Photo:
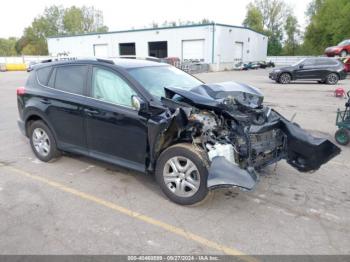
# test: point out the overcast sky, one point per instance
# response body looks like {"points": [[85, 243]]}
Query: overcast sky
{"points": [[119, 15]]}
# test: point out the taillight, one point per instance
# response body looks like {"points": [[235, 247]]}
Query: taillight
{"points": [[21, 91]]}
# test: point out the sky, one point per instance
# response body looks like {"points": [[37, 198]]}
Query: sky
{"points": [[120, 15]]}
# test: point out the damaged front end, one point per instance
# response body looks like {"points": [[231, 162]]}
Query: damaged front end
{"points": [[238, 134]]}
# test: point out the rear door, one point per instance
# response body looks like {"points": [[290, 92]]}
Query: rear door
{"points": [[115, 131], [64, 105]]}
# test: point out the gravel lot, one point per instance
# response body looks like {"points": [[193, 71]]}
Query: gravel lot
{"points": [[80, 206]]}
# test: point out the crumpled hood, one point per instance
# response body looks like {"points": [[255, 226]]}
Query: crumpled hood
{"points": [[217, 94]]}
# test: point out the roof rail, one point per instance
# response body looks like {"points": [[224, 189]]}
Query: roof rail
{"points": [[149, 58], [109, 61]]}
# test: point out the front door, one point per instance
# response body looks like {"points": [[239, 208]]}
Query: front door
{"points": [[115, 131], [307, 70]]}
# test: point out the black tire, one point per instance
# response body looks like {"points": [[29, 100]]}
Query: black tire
{"points": [[52, 153], [321, 81], [285, 78], [332, 79], [342, 136], [343, 53], [197, 157]]}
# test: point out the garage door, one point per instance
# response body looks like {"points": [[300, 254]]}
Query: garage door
{"points": [[238, 52], [101, 50], [193, 50]]}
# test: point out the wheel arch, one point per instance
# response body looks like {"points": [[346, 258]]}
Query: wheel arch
{"points": [[35, 115]]}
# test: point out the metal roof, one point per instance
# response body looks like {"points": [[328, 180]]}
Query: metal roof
{"points": [[156, 29]]}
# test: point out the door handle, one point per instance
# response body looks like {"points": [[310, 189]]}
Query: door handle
{"points": [[91, 111], [45, 101]]}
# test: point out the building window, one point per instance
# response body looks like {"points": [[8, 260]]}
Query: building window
{"points": [[127, 49], [158, 49]]}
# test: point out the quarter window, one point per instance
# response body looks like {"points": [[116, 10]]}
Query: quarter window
{"points": [[71, 78], [108, 86], [43, 75]]}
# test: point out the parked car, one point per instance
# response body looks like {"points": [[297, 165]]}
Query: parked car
{"points": [[346, 62], [323, 69], [342, 49], [155, 118], [31, 65]]}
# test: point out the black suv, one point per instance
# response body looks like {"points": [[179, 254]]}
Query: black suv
{"points": [[155, 118], [323, 69]]}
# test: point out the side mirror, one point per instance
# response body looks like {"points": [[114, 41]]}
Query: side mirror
{"points": [[301, 66], [138, 103]]}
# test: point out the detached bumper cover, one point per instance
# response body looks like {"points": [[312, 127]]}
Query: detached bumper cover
{"points": [[222, 173], [303, 151]]}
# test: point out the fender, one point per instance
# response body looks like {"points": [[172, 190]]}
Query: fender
{"points": [[34, 111]]}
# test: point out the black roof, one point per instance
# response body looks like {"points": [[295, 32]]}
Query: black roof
{"points": [[119, 62]]}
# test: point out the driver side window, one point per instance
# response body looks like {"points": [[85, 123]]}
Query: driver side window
{"points": [[309, 62], [109, 87]]}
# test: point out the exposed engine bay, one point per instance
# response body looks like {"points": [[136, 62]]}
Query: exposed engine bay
{"points": [[238, 134]]}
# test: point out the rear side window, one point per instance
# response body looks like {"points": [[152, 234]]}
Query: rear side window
{"points": [[43, 75], [326, 61], [70, 78]]}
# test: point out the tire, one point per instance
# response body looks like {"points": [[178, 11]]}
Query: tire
{"points": [[332, 79], [343, 53], [186, 186], [342, 136], [43, 142], [321, 81], [285, 78]]}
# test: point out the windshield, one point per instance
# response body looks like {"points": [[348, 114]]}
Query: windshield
{"points": [[299, 62], [155, 78], [343, 43]]}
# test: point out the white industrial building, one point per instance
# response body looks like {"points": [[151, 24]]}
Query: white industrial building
{"points": [[209, 43]]}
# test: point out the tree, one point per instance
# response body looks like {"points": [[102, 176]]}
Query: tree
{"points": [[291, 28], [8, 46], [329, 24], [56, 20], [272, 13], [73, 20], [254, 18]]}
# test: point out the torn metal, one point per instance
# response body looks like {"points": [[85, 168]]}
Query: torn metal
{"points": [[239, 134]]}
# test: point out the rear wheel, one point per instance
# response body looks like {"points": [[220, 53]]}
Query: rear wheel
{"points": [[342, 136], [42, 141], [285, 78], [182, 174], [332, 79]]}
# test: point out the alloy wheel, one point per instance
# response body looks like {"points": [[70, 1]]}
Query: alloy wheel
{"points": [[332, 79], [285, 78], [181, 176], [41, 141]]}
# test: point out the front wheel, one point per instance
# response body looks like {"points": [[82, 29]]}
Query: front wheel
{"points": [[332, 79], [343, 53], [285, 78], [342, 136], [182, 174]]}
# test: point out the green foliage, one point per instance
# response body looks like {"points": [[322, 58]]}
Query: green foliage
{"points": [[180, 22], [291, 28], [268, 16], [329, 25], [57, 20], [8, 46], [254, 18]]}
